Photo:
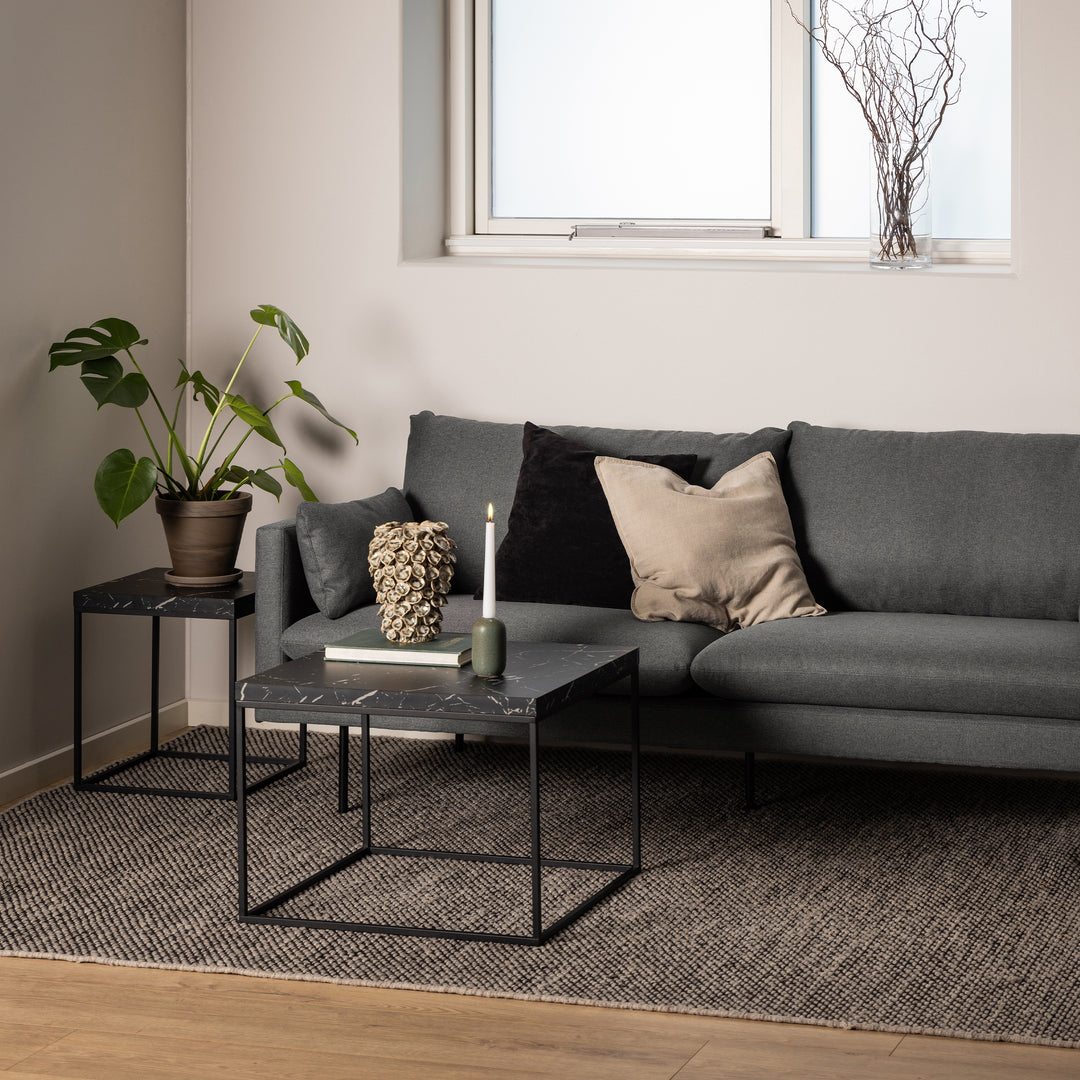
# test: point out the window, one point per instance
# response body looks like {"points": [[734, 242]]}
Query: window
{"points": [[702, 115], [602, 113]]}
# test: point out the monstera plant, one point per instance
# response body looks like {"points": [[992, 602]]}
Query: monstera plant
{"points": [[183, 475]]}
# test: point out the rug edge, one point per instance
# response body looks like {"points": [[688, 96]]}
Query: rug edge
{"points": [[467, 991]]}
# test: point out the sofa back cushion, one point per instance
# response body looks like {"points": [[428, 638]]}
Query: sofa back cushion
{"points": [[950, 522], [454, 467]]}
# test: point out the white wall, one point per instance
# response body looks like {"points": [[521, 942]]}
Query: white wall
{"points": [[297, 194], [92, 224]]}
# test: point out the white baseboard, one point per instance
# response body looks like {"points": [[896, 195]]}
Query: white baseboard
{"points": [[209, 713], [129, 738], [120, 741]]}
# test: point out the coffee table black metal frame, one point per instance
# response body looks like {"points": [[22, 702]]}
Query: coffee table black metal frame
{"points": [[147, 593], [539, 680]]}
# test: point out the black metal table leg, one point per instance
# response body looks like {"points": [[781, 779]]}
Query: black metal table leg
{"points": [[232, 682], [534, 822], [239, 742], [155, 682], [343, 770], [365, 764], [78, 763], [635, 770]]}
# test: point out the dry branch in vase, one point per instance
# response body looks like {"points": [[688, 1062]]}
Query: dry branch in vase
{"points": [[898, 60]]}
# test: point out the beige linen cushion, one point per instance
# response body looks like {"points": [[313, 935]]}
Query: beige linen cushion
{"points": [[724, 556]]}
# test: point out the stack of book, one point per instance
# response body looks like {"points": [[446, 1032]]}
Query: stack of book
{"points": [[371, 647]]}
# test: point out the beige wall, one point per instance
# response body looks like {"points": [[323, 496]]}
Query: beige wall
{"points": [[92, 224], [297, 201]]}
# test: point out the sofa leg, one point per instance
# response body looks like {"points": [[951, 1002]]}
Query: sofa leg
{"points": [[748, 779], [459, 741]]}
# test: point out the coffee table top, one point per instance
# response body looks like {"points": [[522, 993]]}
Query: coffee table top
{"points": [[540, 678]]}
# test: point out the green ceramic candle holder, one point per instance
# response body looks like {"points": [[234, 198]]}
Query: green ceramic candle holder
{"points": [[488, 647]]}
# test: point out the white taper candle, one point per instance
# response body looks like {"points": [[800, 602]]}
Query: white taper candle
{"points": [[489, 565]]}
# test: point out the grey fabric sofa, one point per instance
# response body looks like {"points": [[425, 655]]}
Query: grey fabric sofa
{"points": [[949, 563]]}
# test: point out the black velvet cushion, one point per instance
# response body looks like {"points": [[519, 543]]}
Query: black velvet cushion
{"points": [[561, 545]]}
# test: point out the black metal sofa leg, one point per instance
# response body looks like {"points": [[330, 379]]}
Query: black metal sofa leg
{"points": [[748, 779]]}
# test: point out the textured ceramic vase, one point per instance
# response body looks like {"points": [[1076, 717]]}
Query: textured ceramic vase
{"points": [[203, 538], [412, 566]]}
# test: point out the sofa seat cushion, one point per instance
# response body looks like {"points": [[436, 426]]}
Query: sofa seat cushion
{"points": [[666, 648], [936, 663]]}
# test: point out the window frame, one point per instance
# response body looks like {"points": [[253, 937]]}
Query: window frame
{"points": [[473, 231]]}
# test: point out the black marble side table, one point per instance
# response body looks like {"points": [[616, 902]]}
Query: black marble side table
{"points": [[148, 593], [540, 679]]}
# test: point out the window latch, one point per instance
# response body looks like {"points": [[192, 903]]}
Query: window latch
{"points": [[671, 232]]}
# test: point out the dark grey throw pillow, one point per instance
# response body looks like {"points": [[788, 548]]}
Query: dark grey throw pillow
{"points": [[333, 539]]}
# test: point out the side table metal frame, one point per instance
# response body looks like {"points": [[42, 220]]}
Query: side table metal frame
{"points": [[540, 934], [97, 780]]}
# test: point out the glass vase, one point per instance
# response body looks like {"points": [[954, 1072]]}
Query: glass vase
{"points": [[900, 224]]}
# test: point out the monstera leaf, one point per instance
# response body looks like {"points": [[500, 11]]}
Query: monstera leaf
{"points": [[296, 478], [200, 387], [306, 395], [104, 338], [123, 484], [291, 334], [254, 417], [105, 379], [260, 478]]}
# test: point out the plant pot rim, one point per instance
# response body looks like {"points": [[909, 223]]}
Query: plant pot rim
{"points": [[236, 504]]}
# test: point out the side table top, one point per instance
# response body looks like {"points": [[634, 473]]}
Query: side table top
{"points": [[148, 593], [540, 678]]}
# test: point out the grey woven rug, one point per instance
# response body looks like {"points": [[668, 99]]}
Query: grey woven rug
{"points": [[894, 900]]}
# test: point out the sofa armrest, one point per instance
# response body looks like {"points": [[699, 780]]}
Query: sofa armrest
{"points": [[281, 591]]}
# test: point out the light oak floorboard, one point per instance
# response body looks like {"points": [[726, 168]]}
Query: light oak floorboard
{"points": [[90, 1021], [18, 1041]]}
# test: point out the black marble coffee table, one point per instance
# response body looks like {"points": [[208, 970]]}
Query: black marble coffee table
{"points": [[147, 593], [539, 680]]}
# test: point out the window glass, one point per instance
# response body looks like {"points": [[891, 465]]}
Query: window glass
{"points": [[970, 155], [631, 109]]}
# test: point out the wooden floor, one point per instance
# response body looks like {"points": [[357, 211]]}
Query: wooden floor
{"points": [[111, 1023]]}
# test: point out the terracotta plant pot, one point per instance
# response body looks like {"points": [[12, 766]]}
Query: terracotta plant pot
{"points": [[203, 538]]}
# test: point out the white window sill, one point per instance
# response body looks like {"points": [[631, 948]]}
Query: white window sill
{"points": [[845, 254]]}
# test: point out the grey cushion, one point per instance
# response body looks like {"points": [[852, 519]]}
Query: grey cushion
{"points": [[333, 540], [455, 467], [666, 648], [960, 522], [938, 663]]}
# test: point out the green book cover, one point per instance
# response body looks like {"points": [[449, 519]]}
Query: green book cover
{"points": [[370, 646]]}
